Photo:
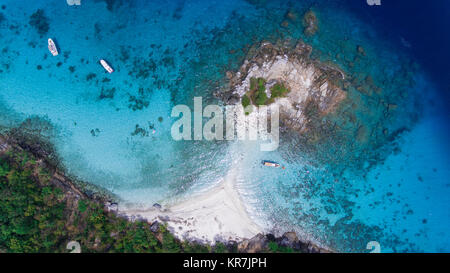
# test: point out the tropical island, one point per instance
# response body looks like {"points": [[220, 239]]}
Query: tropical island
{"points": [[257, 94], [87, 153], [285, 75]]}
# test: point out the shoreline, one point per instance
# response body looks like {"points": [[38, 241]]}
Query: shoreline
{"points": [[237, 232], [216, 215]]}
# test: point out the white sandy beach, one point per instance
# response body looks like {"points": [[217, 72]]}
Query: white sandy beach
{"points": [[217, 214]]}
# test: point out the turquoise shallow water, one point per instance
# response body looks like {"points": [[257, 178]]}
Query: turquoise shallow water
{"points": [[114, 130]]}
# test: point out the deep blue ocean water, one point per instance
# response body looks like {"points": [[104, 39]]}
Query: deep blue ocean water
{"points": [[114, 130]]}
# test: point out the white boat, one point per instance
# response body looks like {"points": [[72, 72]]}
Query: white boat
{"points": [[106, 66], [270, 164], [52, 47]]}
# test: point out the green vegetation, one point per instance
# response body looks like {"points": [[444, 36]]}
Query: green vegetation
{"points": [[253, 84], [275, 248], [82, 206], [257, 93], [245, 101], [261, 85], [38, 216], [278, 90], [261, 98]]}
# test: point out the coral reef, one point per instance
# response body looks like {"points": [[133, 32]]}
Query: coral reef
{"points": [[137, 103], [310, 23], [39, 21], [107, 93]]}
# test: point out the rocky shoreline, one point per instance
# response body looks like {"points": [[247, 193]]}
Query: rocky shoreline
{"points": [[73, 193]]}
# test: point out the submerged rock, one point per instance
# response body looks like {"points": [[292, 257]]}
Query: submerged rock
{"points": [[291, 15], [361, 50], [310, 23]]}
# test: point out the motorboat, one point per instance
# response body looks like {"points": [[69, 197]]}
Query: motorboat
{"points": [[52, 47], [106, 66], [268, 163]]}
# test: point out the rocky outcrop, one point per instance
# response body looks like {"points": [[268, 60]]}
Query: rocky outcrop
{"points": [[254, 245], [260, 243], [315, 88]]}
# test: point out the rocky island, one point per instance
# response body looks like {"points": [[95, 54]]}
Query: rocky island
{"points": [[286, 76]]}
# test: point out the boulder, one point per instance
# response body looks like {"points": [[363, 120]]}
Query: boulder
{"points": [[155, 226], [289, 239], [112, 207], [254, 245]]}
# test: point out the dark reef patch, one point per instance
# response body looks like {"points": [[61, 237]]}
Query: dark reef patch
{"points": [[39, 21], [142, 69], [90, 76], [107, 93], [97, 30], [95, 132], [178, 13], [138, 131], [124, 54], [66, 55], [137, 103]]}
